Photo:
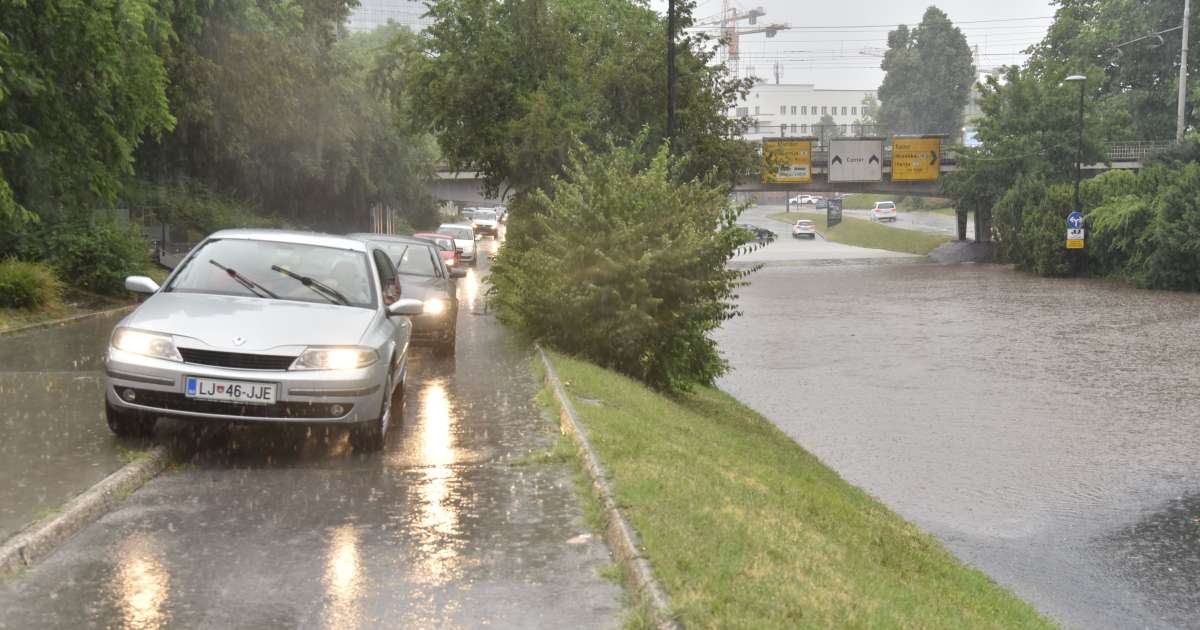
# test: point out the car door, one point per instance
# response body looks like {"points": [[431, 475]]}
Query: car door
{"points": [[391, 290]]}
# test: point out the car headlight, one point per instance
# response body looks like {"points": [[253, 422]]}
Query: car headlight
{"points": [[145, 344], [334, 359], [436, 306]]}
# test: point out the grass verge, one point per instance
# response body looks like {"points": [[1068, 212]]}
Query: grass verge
{"points": [[745, 529], [862, 233]]}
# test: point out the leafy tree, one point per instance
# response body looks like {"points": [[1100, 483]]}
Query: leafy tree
{"points": [[81, 83], [868, 119], [828, 129], [929, 77]]}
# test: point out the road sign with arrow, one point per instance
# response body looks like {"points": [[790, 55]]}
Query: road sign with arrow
{"points": [[916, 159], [856, 160]]}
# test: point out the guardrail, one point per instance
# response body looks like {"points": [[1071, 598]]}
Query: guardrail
{"points": [[1134, 150]]}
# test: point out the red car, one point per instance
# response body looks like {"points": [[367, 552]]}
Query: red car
{"points": [[445, 246]]}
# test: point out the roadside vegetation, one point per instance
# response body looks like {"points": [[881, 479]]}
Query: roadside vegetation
{"points": [[745, 529], [904, 203], [863, 233]]}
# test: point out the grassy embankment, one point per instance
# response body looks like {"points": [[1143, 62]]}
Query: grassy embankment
{"points": [[863, 233], [75, 302], [745, 529], [932, 205]]}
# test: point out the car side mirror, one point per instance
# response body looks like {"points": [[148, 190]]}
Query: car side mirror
{"points": [[140, 284], [406, 306], [458, 272]]}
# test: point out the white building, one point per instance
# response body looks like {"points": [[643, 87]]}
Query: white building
{"points": [[796, 110], [373, 13]]}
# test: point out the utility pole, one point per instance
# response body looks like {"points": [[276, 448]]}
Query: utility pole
{"points": [[671, 72], [1180, 122]]}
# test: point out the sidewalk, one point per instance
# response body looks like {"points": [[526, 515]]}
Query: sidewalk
{"points": [[53, 440]]}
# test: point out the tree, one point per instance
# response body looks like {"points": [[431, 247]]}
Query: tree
{"points": [[828, 129], [868, 119], [928, 77]]}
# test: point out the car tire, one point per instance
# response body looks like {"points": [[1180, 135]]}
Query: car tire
{"points": [[128, 422], [370, 436]]}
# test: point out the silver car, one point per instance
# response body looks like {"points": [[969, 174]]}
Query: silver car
{"points": [[265, 325]]}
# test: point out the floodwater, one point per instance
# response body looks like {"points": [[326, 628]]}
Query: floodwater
{"points": [[1047, 431], [264, 527]]}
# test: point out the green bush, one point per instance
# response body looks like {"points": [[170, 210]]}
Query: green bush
{"points": [[623, 266], [1030, 226], [1173, 240], [194, 211], [96, 257], [28, 285], [1116, 240]]}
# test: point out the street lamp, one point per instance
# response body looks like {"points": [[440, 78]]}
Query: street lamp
{"points": [[1082, 81]]}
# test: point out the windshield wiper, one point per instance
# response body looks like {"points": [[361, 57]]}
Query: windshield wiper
{"points": [[251, 285], [322, 289]]}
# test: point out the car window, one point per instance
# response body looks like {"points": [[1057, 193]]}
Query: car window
{"points": [[387, 276], [460, 233], [270, 269], [487, 215], [411, 260]]}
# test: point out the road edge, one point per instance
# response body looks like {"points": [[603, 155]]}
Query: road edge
{"points": [[620, 535], [66, 320], [41, 538]]}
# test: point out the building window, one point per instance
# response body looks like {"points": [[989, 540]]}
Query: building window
{"points": [[803, 128], [843, 110], [793, 110], [814, 110], [823, 110], [782, 110], [743, 112], [755, 125], [853, 111], [804, 110], [756, 110], [793, 128]]}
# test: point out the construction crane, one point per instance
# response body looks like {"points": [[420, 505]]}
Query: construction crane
{"points": [[729, 33]]}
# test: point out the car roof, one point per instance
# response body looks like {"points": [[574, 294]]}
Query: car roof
{"points": [[432, 234], [391, 238], [456, 225], [292, 236]]}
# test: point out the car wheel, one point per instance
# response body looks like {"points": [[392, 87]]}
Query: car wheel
{"points": [[445, 349], [128, 422], [370, 436]]}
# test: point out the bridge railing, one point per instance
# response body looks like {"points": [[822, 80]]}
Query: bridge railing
{"points": [[1134, 150]]}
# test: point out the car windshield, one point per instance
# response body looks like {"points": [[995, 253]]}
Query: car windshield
{"points": [[804, 224], [886, 205], [410, 259], [444, 243], [486, 215], [285, 271], [460, 233]]}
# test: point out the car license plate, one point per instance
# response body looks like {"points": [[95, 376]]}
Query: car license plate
{"points": [[242, 392]]}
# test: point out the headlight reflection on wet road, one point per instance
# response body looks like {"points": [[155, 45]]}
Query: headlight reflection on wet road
{"points": [[343, 579], [439, 518], [142, 584]]}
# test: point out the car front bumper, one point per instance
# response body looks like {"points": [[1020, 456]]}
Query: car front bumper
{"points": [[434, 329], [302, 396]]}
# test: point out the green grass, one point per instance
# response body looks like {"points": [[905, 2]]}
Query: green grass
{"points": [[863, 233], [864, 200], [745, 529]]}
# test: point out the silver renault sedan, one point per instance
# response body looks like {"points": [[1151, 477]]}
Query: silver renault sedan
{"points": [[265, 325]]}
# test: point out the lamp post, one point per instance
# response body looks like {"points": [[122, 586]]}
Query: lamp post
{"points": [[1180, 122], [1082, 81]]}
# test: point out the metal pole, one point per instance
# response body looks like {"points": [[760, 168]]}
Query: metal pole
{"points": [[1078, 149], [671, 71], [1180, 123]]}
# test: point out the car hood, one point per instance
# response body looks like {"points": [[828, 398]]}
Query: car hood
{"points": [[216, 320], [421, 287]]}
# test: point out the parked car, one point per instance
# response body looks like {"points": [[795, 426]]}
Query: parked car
{"points": [[804, 229], [486, 223], [265, 325], [423, 276], [883, 211], [464, 241], [445, 244]]}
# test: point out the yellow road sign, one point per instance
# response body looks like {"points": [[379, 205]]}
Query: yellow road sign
{"points": [[1075, 243], [916, 159], [787, 161]]}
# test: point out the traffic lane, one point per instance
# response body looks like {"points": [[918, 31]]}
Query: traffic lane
{"points": [[1035, 426], [787, 249], [54, 443], [261, 527]]}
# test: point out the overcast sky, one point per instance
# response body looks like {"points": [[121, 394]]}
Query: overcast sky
{"points": [[838, 43]]}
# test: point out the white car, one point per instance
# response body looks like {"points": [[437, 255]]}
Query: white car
{"points": [[883, 211], [804, 229], [486, 223], [464, 240], [801, 200]]}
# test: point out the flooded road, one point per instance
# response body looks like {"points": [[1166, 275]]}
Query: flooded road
{"points": [[53, 440], [258, 527], [1047, 431]]}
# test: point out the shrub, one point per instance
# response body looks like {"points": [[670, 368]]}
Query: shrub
{"points": [[1173, 240], [625, 267], [95, 257], [28, 285], [1116, 241]]}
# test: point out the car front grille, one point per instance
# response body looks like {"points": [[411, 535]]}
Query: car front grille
{"points": [[236, 359], [172, 401]]}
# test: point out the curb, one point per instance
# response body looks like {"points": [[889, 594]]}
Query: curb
{"points": [[39, 539], [620, 535], [66, 320]]}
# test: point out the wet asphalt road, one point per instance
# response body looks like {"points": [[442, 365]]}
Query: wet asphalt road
{"points": [[266, 528], [53, 440], [1047, 431]]}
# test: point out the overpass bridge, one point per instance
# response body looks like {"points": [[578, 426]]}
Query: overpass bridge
{"points": [[467, 188]]}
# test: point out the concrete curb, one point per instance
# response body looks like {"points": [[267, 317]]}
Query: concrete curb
{"points": [[41, 538], [66, 320], [620, 535]]}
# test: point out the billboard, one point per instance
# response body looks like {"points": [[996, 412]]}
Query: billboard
{"points": [[916, 159], [787, 161], [856, 160]]}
